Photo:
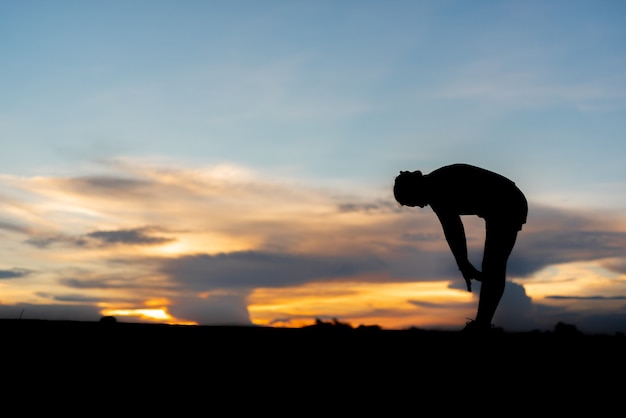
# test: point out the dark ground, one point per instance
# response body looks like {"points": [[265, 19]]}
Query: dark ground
{"points": [[274, 347], [317, 365]]}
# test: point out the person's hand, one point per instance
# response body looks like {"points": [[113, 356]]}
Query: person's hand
{"points": [[470, 273]]}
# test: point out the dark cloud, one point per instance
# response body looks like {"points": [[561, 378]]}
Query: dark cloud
{"points": [[585, 321], [368, 207], [411, 264], [215, 309], [106, 184], [555, 236], [537, 250], [104, 283], [12, 227], [586, 297], [617, 265], [137, 236], [70, 298], [515, 311], [431, 305], [610, 323], [552, 236], [252, 269], [59, 312], [14, 274], [45, 242], [95, 283], [134, 236], [423, 237]]}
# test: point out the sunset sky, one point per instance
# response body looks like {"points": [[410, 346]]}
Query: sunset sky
{"points": [[232, 162]]}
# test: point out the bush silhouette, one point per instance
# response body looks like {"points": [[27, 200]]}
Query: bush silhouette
{"points": [[564, 329], [108, 320]]}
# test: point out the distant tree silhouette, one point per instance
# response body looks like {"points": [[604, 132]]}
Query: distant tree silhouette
{"points": [[107, 320], [334, 325], [343, 325], [563, 329], [369, 327]]}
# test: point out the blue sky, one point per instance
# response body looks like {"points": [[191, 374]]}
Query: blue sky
{"points": [[193, 139]]}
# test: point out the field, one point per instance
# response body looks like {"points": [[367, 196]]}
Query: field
{"points": [[327, 363], [250, 344]]}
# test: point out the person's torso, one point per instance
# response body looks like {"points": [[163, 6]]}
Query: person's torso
{"points": [[467, 190]]}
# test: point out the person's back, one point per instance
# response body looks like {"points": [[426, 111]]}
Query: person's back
{"points": [[463, 189]]}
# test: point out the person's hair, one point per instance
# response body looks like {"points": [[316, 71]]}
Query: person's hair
{"points": [[404, 186]]}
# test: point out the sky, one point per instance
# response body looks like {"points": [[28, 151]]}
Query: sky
{"points": [[232, 162]]}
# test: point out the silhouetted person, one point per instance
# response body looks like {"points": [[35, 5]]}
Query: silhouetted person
{"points": [[462, 189]]}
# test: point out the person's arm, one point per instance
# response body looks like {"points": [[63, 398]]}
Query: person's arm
{"points": [[455, 235]]}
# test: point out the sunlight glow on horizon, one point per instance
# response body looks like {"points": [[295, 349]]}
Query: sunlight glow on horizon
{"points": [[155, 315], [385, 304]]}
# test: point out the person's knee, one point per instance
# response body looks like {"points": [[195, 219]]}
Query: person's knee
{"points": [[494, 269]]}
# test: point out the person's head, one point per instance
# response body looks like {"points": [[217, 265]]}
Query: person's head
{"points": [[408, 189]]}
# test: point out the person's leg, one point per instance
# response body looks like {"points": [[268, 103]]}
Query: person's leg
{"points": [[499, 242]]}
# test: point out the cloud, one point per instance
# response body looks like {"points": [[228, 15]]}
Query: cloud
{"points": [[218, 308], [71, 298], [138, 283], [423, 237], [133, 236], [586, 297], [12, 227], [14, 274], [538, 250], [137, 236], [606, 323], [617, 265], [515, 311], [252, 269], [73, 312], [114, 186], [559, 236], [44, 242], [431, 305], [368, 207]]}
